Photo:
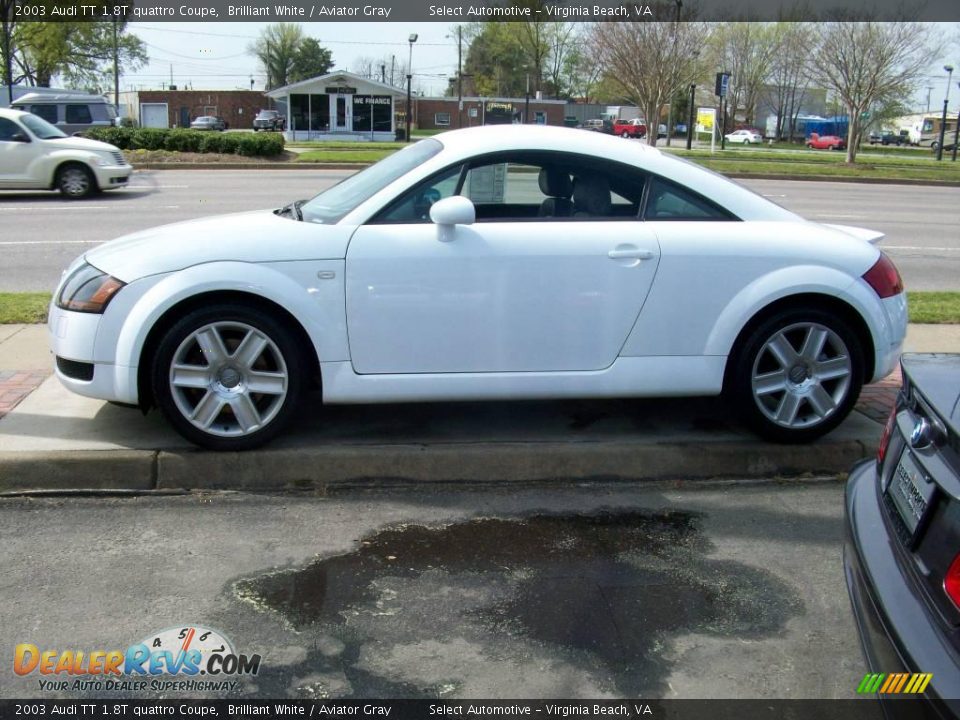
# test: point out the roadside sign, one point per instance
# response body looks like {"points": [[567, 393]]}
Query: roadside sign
{"points": [[723, 82]]}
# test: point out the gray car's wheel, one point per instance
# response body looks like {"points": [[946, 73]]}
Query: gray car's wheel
{"points": [[76, 181], [797, 375], [228, 377]]}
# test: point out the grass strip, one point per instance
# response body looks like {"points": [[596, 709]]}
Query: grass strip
{"points": [[936, 308]]}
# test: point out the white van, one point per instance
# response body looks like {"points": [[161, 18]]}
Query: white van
{"points": [[71, 112]]}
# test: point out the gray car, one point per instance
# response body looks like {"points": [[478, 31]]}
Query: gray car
{"points": [[208, 122], [902, 549]]}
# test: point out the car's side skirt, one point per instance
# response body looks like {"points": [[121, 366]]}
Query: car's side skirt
{"points": [[626, 377]]}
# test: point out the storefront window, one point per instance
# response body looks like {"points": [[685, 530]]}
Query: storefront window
{"points": [[381, 108], [299, 115], [320, 112]]}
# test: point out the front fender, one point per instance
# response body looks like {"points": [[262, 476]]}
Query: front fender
{"points": [[318, 306]]}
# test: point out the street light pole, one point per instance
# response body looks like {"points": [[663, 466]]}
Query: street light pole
{"points": [[693, 90], [943, 119], [956, 134], [412, 39]]}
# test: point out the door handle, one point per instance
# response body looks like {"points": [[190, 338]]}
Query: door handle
{"points": [[630, 253]]}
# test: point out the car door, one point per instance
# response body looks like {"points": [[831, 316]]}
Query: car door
{"points": [[516, 291], [17, 153]]}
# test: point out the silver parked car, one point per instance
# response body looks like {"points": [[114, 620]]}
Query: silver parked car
{"points": [[209, 122]]}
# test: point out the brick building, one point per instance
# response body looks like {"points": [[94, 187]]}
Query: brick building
{"points": [[178, 108], [442, 113]]}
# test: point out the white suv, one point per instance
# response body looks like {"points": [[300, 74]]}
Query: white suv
{"points": [[35, 155]]}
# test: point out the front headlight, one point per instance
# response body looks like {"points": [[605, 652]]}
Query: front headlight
{"points": [[104, 159], [88, 290]]}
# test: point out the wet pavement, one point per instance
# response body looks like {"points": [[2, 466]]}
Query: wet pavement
{"points": [[595, 590]]}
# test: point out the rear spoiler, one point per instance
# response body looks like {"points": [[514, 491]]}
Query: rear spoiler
{"points": [[870, 236]]}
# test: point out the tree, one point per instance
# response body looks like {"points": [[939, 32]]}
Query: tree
{"points": [[788, 73], [746, 50], [872, 63], [651, 61], [310, 60], [81, 53], [276, 49]]}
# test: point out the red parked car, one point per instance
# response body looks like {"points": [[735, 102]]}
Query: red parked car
{"points": [[826, 142]]}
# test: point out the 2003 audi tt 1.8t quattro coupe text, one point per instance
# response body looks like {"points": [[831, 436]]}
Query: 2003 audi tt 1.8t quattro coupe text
{"points": [[485, 264]]}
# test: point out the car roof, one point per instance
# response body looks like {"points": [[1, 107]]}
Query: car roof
{"points": [[13, 113], [40, 98]]}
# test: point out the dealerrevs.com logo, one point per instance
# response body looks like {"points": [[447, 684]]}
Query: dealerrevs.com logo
{"points": [[172, 659]]}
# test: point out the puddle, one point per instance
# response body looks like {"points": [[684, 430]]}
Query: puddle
{"points": [[464, 608]]}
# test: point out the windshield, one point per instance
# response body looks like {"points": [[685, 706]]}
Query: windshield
{"points": [[331, 205], [41, 128]]}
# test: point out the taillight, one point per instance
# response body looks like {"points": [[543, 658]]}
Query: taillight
{"points": [[884, 277], [951, 583], [885, 437]]}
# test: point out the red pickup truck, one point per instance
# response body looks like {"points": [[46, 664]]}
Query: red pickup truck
{"points": [[630, 128]]}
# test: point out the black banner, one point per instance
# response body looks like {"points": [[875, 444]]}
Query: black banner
{"points": [[859, 709], [458, 11]]}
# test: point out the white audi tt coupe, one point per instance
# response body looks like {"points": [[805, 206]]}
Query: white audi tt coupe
{"points": [[494, 263]]}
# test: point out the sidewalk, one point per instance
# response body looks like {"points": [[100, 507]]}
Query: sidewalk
{"points": [[51, 438]]}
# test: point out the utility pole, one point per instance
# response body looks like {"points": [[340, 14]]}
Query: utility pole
{"points": [[459, 76], [116, 65], [383, 73], [393, 62], [693, 92], [943, 120], [7, 7], [526, 104]]}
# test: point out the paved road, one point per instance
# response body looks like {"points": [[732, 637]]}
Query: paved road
{"points": [[40, 233], [721, 591]]}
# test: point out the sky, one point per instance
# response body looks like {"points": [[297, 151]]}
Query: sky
{"points": [[213, 56]]}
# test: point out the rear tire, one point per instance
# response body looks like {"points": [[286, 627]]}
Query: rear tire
{"points": [[228, 377], [797, 375]]}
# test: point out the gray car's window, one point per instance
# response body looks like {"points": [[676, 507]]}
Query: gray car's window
{"points": [[47, 112], [78, 114]]}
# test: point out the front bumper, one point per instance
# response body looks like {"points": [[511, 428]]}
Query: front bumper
{"points": [[73, 341], [111, 177], [896, 630]]}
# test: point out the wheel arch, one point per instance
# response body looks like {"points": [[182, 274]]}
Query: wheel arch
{"points": [[64, 163], [812, 300], [206, 299]]}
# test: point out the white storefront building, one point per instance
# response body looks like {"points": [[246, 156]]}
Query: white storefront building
{"points": [[339, 106]]}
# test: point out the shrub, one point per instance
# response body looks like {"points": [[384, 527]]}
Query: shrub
{"points": [[184, 140]]}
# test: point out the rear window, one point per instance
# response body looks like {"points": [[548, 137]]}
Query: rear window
{"points": [[78, 114], [47, 112]]}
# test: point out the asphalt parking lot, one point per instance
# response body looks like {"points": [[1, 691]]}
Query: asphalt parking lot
{"points": [[589, 591]]}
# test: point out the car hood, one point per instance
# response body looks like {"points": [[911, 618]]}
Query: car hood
{"points": [[256, 237], [80, 143]]}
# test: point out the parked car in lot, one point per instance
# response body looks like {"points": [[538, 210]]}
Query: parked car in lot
{"points": [[209, 122], [902, 549], [635, 128], [493, 263], [70, 112], [599, 125], [35, 155], [269, 120], [744, 137], [826, 142]]}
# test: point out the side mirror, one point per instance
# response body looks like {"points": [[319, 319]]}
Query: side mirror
{"points": [[446, 213]]}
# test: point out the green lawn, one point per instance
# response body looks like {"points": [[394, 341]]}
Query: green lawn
{"points": [[23, 307], [344, 156], [925, 307]]}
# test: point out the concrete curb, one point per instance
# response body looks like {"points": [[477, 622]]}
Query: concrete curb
{"points": [[323, 468]]}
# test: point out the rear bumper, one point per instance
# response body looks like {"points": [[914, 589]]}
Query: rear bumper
{"points": [[896, 630]]}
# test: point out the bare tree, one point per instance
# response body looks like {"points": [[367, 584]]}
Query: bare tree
{"points": [[563, 40], [872, 63], [788, 73], [651, 61], [746, 50]]}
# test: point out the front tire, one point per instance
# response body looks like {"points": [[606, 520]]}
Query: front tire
{"points": [[228, 377], [75, 181], [797, 375]]}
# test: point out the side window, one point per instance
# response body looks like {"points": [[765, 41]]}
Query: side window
{"points": [[504, 183], [47, 112], [668, 201], [78, 114], [414, 205], [8, 128]]}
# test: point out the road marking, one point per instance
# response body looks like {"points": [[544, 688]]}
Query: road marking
{"points": [[49, 242], [918, 247], [72, 207]]}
